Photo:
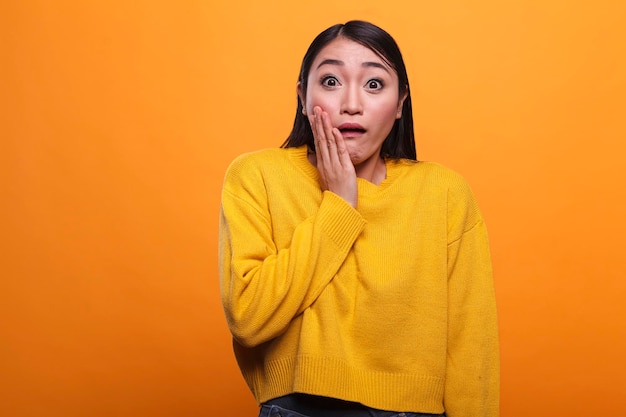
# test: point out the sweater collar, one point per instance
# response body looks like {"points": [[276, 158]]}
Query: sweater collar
{"points": [[299, 156]]}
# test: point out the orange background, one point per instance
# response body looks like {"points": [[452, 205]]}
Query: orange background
{"points": [[119, 118]]}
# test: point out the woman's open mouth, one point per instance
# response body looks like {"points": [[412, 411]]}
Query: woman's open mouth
{"points": [[351, 130]]}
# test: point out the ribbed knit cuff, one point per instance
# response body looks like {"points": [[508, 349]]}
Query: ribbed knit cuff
{"points": [[340, 220]]}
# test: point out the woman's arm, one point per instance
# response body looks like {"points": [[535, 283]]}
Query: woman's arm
{"points": [[472, 385], [264, 287]]}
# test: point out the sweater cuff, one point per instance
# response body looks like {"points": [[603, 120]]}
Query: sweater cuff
{"points": [[341, 222]]}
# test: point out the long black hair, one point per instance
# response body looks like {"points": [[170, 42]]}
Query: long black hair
{"points": [[400, 143]]}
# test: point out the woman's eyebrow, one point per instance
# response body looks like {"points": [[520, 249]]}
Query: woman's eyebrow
{"points": [[341, 63], [331, 62], [375, 65]]}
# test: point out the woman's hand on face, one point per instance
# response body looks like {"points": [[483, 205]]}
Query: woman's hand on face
{"points": [[337, 173]]}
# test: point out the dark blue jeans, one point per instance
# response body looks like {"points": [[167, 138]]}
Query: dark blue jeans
{"points": [[276, 411]]}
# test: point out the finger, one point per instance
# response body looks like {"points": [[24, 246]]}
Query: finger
{"points": [[321, 144], [313, 120], [342, 150], [331, 135]]}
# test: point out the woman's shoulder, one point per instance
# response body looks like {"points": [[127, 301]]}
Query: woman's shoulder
{"points": [[265, 165], [260, 156], [438, 180], [459, 196], [258, 160], [432, 173]]}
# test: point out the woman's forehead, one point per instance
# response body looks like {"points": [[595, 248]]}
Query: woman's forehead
{"points": [[343, 51]]}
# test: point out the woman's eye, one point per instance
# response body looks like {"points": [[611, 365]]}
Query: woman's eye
{"points": [[330, 82], [374, 85]]}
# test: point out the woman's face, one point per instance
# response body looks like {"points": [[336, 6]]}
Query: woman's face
{"points": [[359, 91]]}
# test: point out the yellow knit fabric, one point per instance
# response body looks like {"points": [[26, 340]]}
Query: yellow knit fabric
{"points": [[390, 304]]}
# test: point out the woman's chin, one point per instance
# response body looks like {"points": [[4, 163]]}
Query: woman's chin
{"points": [[355, 159]]}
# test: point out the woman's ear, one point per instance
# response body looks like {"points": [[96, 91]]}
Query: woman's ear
{"points": [[301, 97], [401, 102]]}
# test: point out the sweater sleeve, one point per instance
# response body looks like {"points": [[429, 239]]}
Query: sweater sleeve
{"points": [[264, 287], [473, 368]]}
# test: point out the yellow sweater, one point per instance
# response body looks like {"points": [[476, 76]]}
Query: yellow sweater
{"points": [[390, 304]]}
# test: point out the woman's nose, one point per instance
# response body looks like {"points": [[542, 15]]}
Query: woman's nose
{"points": [[351, 101]]}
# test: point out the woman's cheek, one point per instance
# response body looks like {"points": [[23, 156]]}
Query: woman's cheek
{"points": [[324, 102]]}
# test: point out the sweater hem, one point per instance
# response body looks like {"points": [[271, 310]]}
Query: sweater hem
{"points": [[333, 377]]}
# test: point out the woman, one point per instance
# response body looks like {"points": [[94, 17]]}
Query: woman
{"points": [[355, 280]]}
